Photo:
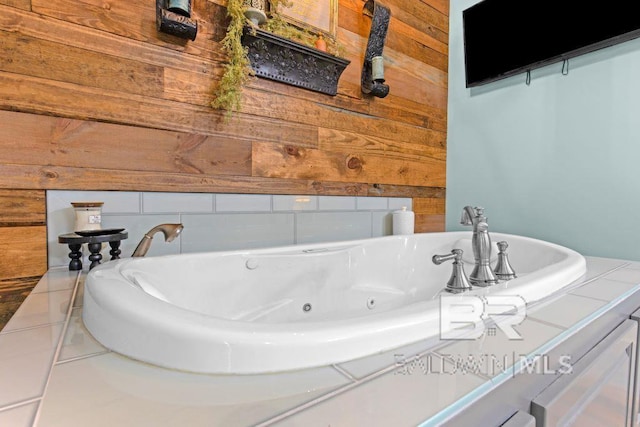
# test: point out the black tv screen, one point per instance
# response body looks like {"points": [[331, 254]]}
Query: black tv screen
{"points": [[507, 37]]}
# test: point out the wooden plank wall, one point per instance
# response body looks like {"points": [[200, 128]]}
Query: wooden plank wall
{"points": [[23, 249], [93, 97]]}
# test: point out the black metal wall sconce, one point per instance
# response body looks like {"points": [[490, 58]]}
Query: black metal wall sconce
{"points": [[372, 80], [174, 17]]}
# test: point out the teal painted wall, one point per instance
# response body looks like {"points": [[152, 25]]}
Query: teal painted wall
{"points": [[557, 160]]}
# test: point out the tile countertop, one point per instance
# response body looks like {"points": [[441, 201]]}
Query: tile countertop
{"points": [[53, 373]]}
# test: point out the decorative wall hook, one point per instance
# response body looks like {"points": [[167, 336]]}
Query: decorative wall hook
{"points": [[174, 17], [373, 68]]}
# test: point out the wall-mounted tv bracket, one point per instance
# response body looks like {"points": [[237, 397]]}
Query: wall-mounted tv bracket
{"points": [[565, 71], [373, 68], [174, 17]]}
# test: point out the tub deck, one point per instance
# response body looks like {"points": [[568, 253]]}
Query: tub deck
{"points": [[61, 376]]}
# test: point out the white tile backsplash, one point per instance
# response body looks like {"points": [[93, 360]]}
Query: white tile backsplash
{"points": [[399, 203], [372, 203], [222, 221], [176, 202], [332, 226], [236, 231], [243, 203], [295, 203], [336, 203], [382, 224], [114, 201]]}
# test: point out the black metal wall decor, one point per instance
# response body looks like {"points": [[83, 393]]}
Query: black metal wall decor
{"points": [[372, 80], [174, 17], [276, 58]]}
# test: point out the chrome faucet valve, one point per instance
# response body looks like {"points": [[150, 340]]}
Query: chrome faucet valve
{"points": [[482, 275], [458, 281], [503, 268]]}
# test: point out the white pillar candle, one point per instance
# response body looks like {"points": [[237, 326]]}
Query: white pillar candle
{"points": [[403, 221], [377, 68], [88, 215]]}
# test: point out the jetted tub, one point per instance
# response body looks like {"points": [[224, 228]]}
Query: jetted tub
{"points": [[267, 310]]}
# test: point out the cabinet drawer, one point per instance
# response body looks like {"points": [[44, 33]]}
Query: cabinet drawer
{"points": [[599, 389]]}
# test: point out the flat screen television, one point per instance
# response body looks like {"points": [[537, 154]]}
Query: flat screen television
{"points": [[506, 37]]}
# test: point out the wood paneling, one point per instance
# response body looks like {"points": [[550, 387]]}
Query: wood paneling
{"points": [[23, 246], [23, 251], [22, 208], [20, 4], [292, 162], [52, 177], [67, 63], [430, 214], [12, 294], [84, 144], [111, 85]]}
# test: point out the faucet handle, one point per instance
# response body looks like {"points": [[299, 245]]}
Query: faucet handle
{"points": [[455, 255], [458, 282], [503, 269]]}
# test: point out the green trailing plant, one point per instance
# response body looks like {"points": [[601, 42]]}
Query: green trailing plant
{"points": [[228, 95], [238, 71]]}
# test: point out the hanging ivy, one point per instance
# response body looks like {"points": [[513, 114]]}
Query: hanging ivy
{"points": [[238, 71], [228, 95]]}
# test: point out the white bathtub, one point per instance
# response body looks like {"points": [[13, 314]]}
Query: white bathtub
{"points": [[293, 307]]}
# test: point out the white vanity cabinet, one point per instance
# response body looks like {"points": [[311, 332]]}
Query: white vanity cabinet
{"points": [[600, 389]]}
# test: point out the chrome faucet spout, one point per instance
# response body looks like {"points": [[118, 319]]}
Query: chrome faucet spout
{"points": [[468, 213], [170, 232], [482, 275]]}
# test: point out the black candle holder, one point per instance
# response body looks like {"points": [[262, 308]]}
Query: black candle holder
{"points": [[94, 244]]}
